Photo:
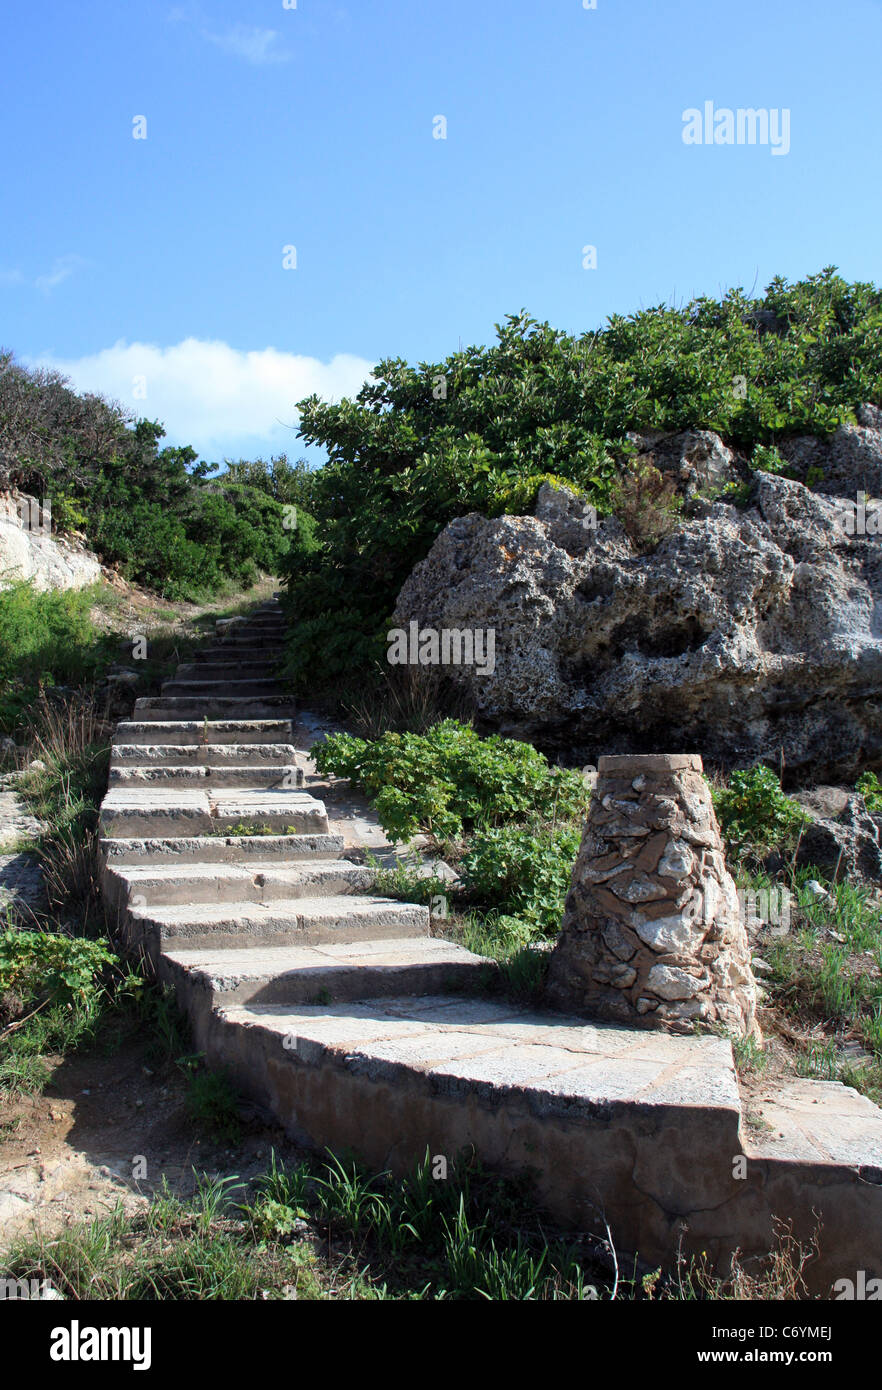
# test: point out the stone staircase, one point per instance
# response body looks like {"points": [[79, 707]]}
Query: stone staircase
{"points": [[236, 872]]}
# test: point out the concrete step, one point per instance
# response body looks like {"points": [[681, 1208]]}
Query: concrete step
{"points": [[216, 707], [205, 754], [205, 733], [166, 884], [258, 618], [283, 921], [332, 971], [254, 688], [287, 777], [221, 670], [259, 627], [266, 638], [275, 851], [244, 655], [146, 812]]}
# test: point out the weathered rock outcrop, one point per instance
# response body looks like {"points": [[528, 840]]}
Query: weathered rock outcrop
{"points": [[30, 551], [750, 633], [842, 836]]}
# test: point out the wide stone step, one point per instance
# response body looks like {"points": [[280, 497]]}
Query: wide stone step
{"points": [[208, 733], [162, 884], [265, 627], [186, 707], [274, 850], [260, 688], [244, 655], [267, 640], [285, 776], [204, 754], [306, 921], [174, 811], [331, 972], [221, 670], [258, 618]]}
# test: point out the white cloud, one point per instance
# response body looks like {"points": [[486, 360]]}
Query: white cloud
{"points": [[256, 46], [210, 395]]}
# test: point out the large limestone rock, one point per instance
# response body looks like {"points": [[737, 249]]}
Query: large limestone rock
{"points": [[29, 552], [841, 836], [652, 930], [752, 633]]}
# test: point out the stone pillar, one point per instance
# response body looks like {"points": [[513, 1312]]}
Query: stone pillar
{"points": [[653, 933]]}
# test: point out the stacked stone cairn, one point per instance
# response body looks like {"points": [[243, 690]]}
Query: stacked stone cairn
{"points": [[653, 932]]}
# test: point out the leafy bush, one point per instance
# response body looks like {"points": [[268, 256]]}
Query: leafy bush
{"points": [[478, 432], [42, 968], [449, 780], [870, 788], [524, 870], [767, 458], [45, 638], [754, 813]]}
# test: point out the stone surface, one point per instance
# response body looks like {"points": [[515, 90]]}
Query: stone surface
{"points": [[842, 836], [50, 562], [652, 929], [748, 632]]}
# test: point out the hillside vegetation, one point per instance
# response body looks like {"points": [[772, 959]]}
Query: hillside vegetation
{"points": [[152, 511], [480, 431]]}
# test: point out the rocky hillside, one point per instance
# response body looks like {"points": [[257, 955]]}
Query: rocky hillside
{"points": [[751, 632], [28, 550]]}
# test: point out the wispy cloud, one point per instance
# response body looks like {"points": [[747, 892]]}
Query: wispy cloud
{"points": [[62, 268], [256, 46], [213, 396], [252, 44]]}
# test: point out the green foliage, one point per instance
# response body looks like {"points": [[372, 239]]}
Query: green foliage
{"points": [[754, 813], [46, 967], [45, 638], [449, 780], [645, 503], [151, 510], [53, 989], [478, 432], [211, 1099], [524, 870], [469, 1233], [870, 788], [766, 458]]}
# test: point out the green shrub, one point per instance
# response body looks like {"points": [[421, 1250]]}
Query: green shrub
{"points": [[523, 870], [48, 636], [870, 788], [450, 780], [754, 813], [40, 969], [479, 431], [767, 458]]}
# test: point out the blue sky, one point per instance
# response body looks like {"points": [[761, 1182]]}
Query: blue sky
{"points": [[152, 269]]}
